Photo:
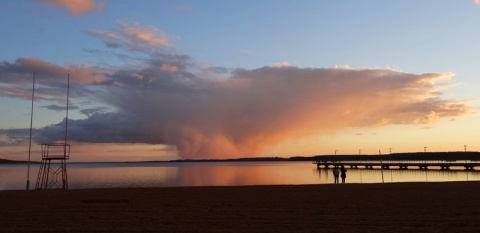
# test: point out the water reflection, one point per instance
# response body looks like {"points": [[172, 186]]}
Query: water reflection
{"points": [[394, 175], [244, 174], [161, 174]]}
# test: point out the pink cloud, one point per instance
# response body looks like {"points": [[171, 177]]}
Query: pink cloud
{"points": [[12, 92], [16, 78], [76, 7], [137, 34], [78, 73], [169, 68], [134, 36]]}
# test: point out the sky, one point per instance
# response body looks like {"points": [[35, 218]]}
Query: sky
{"points": [[174, 79]]}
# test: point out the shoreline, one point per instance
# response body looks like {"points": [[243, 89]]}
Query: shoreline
{"points": [[439, 155], [392, 207]]}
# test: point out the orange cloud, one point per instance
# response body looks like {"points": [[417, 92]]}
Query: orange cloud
{"points": [[269, 105], [169, 68], [134, 37], [137, 34], [76, 7], [251, 110]]}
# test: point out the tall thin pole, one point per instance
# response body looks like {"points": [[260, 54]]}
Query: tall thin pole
{"points": [[66, 118], [381, 164], [31, 126], [64, 165]]}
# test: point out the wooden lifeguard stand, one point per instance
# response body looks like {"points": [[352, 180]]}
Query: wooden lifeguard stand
{"points": [[53, 168]]}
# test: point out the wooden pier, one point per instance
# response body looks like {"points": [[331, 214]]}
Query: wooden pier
{"points": [[402, 165]]}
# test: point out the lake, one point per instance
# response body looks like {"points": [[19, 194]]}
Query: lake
{"points": [[175, 174]]}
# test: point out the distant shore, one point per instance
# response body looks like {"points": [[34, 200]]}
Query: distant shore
{"points": [[392, 207], [450, 156], [7, 161]]}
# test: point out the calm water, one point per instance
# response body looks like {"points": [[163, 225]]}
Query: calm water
{"points": [[163, 174]]}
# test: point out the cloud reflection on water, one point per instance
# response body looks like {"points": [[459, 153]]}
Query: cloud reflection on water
{"points": [[123, 175]]}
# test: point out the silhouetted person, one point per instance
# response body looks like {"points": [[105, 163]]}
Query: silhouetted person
{"points": [[335, 174], [343, 174]]}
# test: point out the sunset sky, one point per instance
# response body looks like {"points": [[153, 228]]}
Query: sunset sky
{"points": [[161, 80]]}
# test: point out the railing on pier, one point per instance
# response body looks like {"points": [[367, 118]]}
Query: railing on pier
{"points": [[403, 164]]}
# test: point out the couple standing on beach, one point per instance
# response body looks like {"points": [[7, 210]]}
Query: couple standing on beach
{"points": [[343, 174]]}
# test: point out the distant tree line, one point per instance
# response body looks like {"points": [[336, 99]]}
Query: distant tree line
{"points": [[450, 156]]}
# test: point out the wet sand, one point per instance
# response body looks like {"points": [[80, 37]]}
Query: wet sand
{"points": [[397, 207]]}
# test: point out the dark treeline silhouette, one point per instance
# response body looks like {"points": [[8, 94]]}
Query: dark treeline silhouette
{"points": [[449, 156], [12, 161], [456, 155]]}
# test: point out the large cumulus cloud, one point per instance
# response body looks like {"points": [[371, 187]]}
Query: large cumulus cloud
{"points": [[248, 110]]}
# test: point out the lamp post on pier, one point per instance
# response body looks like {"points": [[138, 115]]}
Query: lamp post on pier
{"points": [[381, 165]]}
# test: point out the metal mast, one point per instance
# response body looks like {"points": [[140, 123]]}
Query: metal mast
{"points": [[31, 125], [66, 117]]}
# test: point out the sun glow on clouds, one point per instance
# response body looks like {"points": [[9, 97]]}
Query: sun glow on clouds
{"points": [[254, 109], [134, 36], [215, 112], [148, 35], [169, 68]]}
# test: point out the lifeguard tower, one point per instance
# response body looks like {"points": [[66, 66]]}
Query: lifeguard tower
{"points": [[53, 168]]}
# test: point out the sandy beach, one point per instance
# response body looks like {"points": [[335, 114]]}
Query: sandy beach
{"points": [[397, 207]]}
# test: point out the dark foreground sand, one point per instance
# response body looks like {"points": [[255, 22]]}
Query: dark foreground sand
{"points": [[400, 207]]}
